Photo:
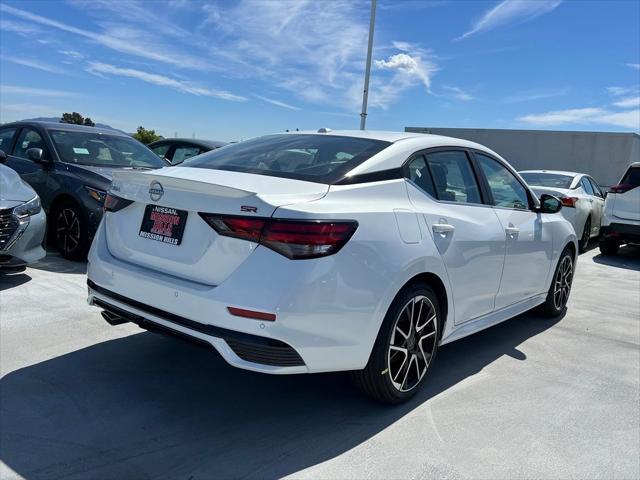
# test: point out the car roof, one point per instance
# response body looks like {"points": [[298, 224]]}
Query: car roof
{"points": [[555, 172], [67, 127], [385, 136], [192, 141], [635, 164]]}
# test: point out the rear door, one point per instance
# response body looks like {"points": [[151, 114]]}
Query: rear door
{"points": [[443, 187], [529, 245]]}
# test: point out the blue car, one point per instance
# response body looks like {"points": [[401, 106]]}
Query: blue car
{"points": [[70, 167]]}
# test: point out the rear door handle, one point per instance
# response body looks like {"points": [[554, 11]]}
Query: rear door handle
{"points": [[442, 228]]}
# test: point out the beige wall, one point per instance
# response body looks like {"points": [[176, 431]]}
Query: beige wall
{"points": [[604, 156]]}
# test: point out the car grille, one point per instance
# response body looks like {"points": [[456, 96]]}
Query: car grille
{"points": [[8, 227]]}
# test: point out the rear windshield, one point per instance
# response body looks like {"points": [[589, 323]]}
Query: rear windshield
{"points": [[315, 158], [540, 179], [103, 150], [632, 177]]}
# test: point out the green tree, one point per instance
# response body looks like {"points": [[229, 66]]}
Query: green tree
{"points": [[146, 136], [76, 119]]}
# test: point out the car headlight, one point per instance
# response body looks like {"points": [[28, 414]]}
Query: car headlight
{"points": [[29, 208], [97, 195]]}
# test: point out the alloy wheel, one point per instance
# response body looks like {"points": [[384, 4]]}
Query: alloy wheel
{"points": [[413, 343], [68, 230], [562, 285]]}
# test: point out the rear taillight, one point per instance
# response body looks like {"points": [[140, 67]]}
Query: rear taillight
{"points": [[569, 201], [113, 203], [295, 239], [622, 188]]}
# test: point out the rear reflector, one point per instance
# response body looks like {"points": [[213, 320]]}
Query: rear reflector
{"points": [[569, 201], [113, 203], [622, 188], [240, 312], [295, 239]]}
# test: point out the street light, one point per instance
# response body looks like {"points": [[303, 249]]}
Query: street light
{"points": [[367, 72]]}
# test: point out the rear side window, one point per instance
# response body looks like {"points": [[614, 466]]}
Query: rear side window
{"points": [[419, 174], [453, 178], [586, 185], [315, 158], [596, 187], [6, 137], [632, 177]]}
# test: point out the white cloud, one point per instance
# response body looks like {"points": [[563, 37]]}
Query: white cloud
{"points": [[277, 103], [622, 90], [582, 116], [458, 93], [161, 80], [23, 29], [511, 11], [533, 95], [635, 66], [25, 62], [628, 102], [35, 92]]}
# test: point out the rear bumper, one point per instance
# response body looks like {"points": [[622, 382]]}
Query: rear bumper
{"points": [[327, 312], [623, 232]]}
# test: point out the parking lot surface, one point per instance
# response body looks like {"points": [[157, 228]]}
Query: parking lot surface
{"points": [[530, 398]]}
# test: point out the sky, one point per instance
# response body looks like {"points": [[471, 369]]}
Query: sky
{"points": [[232, 70]]}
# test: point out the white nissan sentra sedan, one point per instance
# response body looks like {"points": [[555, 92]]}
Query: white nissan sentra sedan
{"points": [[328, 251]]}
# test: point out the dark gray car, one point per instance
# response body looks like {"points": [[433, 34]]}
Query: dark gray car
{"points": [[70, 167]]}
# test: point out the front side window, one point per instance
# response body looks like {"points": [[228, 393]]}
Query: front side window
{"points": [[103, 150], [507, 191], [6, 136], [315, 158], [453, 177], [28, 138], [419, 174]]}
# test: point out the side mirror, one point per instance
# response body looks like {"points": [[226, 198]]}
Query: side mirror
{"points": [[3, 156], [35, 154], [549, 204]]}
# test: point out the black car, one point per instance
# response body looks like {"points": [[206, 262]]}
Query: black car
{"points": [[177, 150], [70, 167]]}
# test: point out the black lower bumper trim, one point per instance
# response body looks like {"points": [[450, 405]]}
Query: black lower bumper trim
{"points": [[622, 231], [251, 348]]}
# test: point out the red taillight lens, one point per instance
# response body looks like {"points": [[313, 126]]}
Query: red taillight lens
{"points": [[113, 203], [622, 188], [569, 201], [295, 239]]}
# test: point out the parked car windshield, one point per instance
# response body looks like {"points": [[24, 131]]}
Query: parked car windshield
{"points": [[315, 158], [541, 179], [103, 150]]}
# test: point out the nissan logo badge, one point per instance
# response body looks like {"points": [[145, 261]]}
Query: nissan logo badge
{"points": [[156, 191]]}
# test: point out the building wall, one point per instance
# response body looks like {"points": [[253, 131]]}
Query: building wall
{"points": [[604, 156]]}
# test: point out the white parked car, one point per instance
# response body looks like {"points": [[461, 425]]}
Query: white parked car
{"points": [[581, 196], [364, 254], [22, 220], [621, 222]]}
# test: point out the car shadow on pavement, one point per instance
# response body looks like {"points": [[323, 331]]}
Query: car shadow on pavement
{"points": [[148, 406], [53, 262], [628, 257], [12, 277]]}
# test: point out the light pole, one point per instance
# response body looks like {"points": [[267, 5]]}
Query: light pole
{"points": [[367, 72]]}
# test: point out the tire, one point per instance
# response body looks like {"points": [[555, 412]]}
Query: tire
{"points": [[69, 231], [560, 288], [583, 243], [609, 247], [395, 355]]}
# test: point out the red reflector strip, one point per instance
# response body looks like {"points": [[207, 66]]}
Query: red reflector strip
{"points": [[307, 233], [240, 312]]}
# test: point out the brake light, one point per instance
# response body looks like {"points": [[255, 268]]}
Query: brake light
{"points": [[569, 201], [622, 188], [113, 203], [295, 239]]}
